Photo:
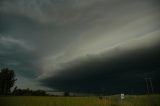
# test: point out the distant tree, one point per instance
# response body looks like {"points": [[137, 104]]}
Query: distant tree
{"points": [[66, 94], [28, 92], [7, 80]]}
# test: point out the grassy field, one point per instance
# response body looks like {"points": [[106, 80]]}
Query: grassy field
{"points": [[143, 100]]}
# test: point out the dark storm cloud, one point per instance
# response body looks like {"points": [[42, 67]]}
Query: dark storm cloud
{"points": [[38, 36], [16, 54], [124, 71], [58, 22]]}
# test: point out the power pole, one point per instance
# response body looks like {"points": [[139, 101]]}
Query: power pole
{"points": [[147, 85], [150, 80]]}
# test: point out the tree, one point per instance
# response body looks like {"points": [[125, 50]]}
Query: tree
{"points": [[7, 80], [66, 93], [28, 92]]}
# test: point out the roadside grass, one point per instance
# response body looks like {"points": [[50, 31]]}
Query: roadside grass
{"points": [[130, 100]]}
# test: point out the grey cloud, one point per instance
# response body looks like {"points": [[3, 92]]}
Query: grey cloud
{"points": [[16, 54], [124, 71], [33, 30], [9, 42], [60, 12], [44, 10]]}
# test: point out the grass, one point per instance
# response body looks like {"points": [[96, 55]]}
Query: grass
{"points": [[142, 100]]}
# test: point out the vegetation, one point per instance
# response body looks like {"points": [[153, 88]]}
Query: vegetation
{"points": [[66, 94], [28, 92], [144, 100], [7, 80]]}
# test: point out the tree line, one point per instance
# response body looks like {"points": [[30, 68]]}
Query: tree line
{"points": [[28, 92], [7, 81]]}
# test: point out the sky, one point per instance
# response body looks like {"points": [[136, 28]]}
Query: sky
{"points": [[81, 45]]}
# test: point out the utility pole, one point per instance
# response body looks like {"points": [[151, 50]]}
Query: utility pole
{"points": [[150, 80], [147, 85]]}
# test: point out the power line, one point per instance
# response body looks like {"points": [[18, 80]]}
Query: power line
{"points": [[149, 85]]}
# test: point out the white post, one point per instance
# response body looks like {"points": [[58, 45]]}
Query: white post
{"points": [[122, 97]]}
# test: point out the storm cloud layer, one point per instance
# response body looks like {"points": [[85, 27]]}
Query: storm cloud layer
{"points": [[81, 45], [117, 70]]}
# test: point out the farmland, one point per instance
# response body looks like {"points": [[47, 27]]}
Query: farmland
{"points": [[141, 100]]}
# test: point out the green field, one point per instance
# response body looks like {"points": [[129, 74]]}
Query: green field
{"points": [[143, 100]]}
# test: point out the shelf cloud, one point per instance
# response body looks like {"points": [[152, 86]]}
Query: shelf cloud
{"points": [[80, 45]]}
